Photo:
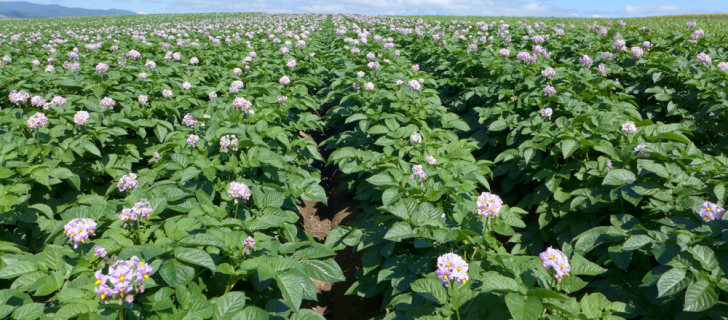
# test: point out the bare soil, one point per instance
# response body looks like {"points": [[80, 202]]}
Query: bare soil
{"points": [[318, 220]]}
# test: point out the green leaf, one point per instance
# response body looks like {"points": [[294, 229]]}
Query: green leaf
{"points": [[326, 270], [635, 242], [430, 289], [195, 256], [568, 146], [523, 307], [228, 305], [498, 125], [391, 195], [17, 269], [400, 230], [619, 177], [719, 191], [29, 311], [306, 314], [315, 192], [700, 296], [582, 266], [251, 313], [291, 288], [176, 273], [705, 256], [44, 208], [672, 282], [381, 180], [492, 281]]}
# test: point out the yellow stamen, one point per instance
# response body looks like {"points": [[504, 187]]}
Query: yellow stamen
{"points": [[146, 276], [460, 269], [103, 296], [141, 263], [98, 282], [121, 278]]}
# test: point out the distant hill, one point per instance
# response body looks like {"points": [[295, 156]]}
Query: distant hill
{"points": [[25, 10]]}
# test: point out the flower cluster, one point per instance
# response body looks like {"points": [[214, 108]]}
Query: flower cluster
{"points": [[526, 57], [123, 276], [285, 80], [248, 245], [100, 252], [107, 102], [451, 267], [189, 120], [78, 230], [586, 61], [431, 160], [192, 140], [554, 259], [242, 104], [489, 205], [637, 52], [602, 68], [37, 120], [710, 211], [18, 97], [228, 141], [629, 128], [239, 190], [291, 63], [548, 73], [414, 85], [282, 99], [127, 182], [137, 212], [418, 173], [546, 112], [619, 46], [549, 91], [102, 68], [415, 138], [704, 58], [81, 118], [369, 86], [504, 52], [640, 153], [167, 93], [143, 99], [58, 101]]}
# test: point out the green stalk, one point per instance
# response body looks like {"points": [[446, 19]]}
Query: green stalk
{"points": [[454, 300]]}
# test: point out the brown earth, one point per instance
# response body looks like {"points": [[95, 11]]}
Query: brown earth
{"points": [[318, 220]]}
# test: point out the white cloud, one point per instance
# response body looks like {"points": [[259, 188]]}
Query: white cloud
{"points": [[672, 9], [598, 16], [141, 12]]}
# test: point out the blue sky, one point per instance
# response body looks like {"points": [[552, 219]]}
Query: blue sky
{"points": [[562, 8]]}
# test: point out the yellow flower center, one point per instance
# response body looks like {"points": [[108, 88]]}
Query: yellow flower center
{"points": [[98, 282], [444, 276], [121, 278], [146, 276], [460, 269], [103, 296], [447, 264]]}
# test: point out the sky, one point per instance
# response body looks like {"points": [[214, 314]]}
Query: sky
{"points": [[541, 8]]}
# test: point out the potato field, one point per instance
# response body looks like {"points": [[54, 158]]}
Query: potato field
{"points": [[255, 166]]}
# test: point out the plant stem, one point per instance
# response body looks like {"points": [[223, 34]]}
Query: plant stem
{"points": [[454, 300], [121, 313], [230, 284], [139, 230]]}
